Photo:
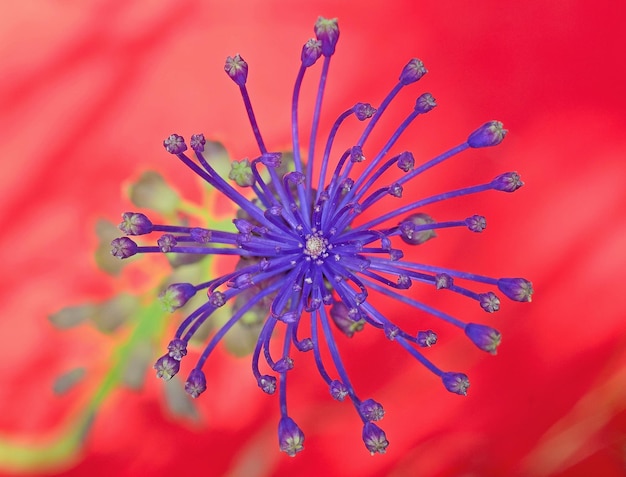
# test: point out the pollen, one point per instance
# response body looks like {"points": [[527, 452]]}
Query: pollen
{"points": [[316, 246]]}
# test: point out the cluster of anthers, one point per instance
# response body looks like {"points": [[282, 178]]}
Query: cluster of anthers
{"points": [[305, 258]]}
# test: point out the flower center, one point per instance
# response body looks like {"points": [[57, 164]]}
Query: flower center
{"points": [[316, 246]]}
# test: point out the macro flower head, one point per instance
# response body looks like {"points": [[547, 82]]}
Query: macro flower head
{"points": [[311, 255]]}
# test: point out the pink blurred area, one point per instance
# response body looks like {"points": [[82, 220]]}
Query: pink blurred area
{"points": [[89, 90]]}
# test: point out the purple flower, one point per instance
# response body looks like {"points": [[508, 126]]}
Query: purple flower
{"points": [[311, 253]]}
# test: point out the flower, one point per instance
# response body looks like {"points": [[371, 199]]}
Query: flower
{"points": [[306, 247]]}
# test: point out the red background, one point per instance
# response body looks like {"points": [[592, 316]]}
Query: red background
{"points": [[89, 90]]}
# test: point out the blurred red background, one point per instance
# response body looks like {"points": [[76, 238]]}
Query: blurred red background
{"points": [[88, 93]]}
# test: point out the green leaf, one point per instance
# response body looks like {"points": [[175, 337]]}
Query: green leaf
{"points": [[71, 316], [68, 380], [106, 232], [137, 364], [178, 401], [111, 314], [152, 192]]}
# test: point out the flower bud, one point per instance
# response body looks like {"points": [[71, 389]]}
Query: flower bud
{"points": [[406, 161], [123, 247], [134, 223], [283, 365], [404, 282], [243, 226], [413, 236], [176, 296], [371, 410], [177, 349], [425, 103], [489, 134], [200, 235], [166, 367], [327, 32], [217, 299], [272, 159], [311, 51], [175, 144], [305, 345], [395, 190], [166, 242], [374, 438], [443, 281], [489, 302], [295, 177], [476, 223], [241, 173], [507, 182], [341, 317], [518, 289], [391, 331], [363, 111], [485, 337], [412, 72], [267, 384], [456, 383], [338, 390], [196, 383], [356, 154], [290, 437], [426, 339], [346, 185], [237, 69], [241, 281], [197, 142]]}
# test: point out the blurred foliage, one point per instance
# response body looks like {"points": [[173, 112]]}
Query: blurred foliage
{"points": [[135, 318]]}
